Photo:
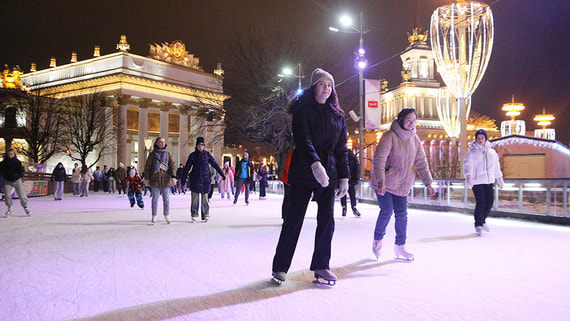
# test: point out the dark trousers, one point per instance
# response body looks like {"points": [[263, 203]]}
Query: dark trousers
{"points": [[211, 192], [483, 202], [291, 228], [352, 194], [286, 200], [239, 183], [96, 185]]}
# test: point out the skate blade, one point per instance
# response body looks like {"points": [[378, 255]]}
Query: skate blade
{"points": [[324, 282], [277, 281], [404, 259]]}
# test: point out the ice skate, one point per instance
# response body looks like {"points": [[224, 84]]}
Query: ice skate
{"points": [[326, 275], [278, 277], [9, 211], [401, 253], [27, 210], [355, 211], [167, 219], [194, 218], [478, 230], [486, 227], [153, 220], [344, 211], [377, 248], [206, 218]]}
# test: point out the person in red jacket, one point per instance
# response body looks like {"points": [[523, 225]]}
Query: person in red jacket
{"points": [[136, 185]]}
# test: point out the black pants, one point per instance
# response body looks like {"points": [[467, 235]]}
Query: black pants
{"points": [[484, 202], [352, 194], [239, 183], [291, 228]]}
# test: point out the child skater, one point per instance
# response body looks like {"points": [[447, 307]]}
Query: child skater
{"points": [[136, 184]]}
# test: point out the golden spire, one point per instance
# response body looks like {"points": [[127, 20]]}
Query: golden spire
{"points": [[417, 35], [123, 45]]}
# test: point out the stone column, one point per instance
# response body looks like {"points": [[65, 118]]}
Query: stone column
{"points": [[143, 131], [164, 111], [108, 158], [122, 101], [183, 134]]}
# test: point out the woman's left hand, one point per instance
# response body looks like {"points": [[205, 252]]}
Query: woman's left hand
{"points": [[431, 191]]}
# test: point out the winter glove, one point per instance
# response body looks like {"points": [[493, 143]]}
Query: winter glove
{"points": [[468, 182], [500, 182], [320, 173], [343, 188], [223, 177]]}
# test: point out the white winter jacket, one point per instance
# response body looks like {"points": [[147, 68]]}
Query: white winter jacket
{"points": [[482, 164]]}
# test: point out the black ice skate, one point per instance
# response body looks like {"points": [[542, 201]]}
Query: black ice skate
{"points": [[326, 275], [279, 277]]}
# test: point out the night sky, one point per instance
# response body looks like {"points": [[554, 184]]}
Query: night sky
{"points": [[530, 57]]}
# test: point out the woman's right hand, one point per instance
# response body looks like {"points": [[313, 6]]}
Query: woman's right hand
{"points": [[381, 191]]}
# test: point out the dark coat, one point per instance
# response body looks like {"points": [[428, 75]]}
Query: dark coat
{"points": [[11, 169], [319, 135], [262, 177], [198, 164], [59, 174], [354, 167], [249, 170]]}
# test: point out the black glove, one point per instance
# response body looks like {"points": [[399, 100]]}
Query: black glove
{"points": [[224, 177]]}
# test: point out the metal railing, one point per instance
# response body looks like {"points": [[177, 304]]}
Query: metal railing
{"points": [[520, 198]]}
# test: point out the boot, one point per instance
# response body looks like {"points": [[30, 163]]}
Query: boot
{"points": [[344, 210], [377, 248], [355, 211], [400, 251]]}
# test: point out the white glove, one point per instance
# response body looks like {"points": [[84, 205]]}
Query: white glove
{"points": [[500, 182], [341, 191], [468, 182], [320, 173]]}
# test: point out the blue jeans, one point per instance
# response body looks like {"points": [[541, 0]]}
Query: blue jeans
{"points": [[155, 194], [390, 203]]}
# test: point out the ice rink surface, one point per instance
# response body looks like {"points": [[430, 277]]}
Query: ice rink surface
{"points": [[96, 258]]}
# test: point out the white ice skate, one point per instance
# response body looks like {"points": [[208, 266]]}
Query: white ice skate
{"points": [[167, 219], [401, 253], [153, 220], [9, 211], [279, 277], [478, 230], [326, 275], [377, 248], [27, 210], [486, 227]]}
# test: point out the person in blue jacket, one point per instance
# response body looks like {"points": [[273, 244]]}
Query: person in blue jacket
{"points": [[198, 165]]}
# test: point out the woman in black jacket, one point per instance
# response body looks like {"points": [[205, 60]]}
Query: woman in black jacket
{"points": [[58, 177], [318, 163], [12, 170]]}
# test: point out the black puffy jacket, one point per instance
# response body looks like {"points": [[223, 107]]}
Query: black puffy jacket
{"points": [[319, 135], [11, 169]]}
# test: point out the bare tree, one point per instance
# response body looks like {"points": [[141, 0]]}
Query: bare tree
{"points": [[87, 127], [257, 109], [210, 115], [43, 124]]}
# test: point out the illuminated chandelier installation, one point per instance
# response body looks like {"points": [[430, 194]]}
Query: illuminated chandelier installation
{"points": [[448, 111], [462, 40], [513, 126], [544, 120]]}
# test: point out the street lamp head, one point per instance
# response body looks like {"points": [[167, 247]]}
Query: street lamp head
{"points": [[299, 91], [346, 21], [287, 71], [361, 52]]}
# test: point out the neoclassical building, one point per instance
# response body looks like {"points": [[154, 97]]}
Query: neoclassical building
{"points": [[164, 94], [418, 89]]}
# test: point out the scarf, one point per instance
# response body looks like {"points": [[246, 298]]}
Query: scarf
{"points": [[161, 160]]}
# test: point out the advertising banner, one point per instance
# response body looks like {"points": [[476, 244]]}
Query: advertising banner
{"points": [[372, 109]]}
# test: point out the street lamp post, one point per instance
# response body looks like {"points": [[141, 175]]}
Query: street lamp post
{"points": [[288, 73], [361, 64]]}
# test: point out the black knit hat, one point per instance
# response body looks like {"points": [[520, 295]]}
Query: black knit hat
{"points": [[200, 141], [482, 132]]}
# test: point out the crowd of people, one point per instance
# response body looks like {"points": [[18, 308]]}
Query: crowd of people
{"points": [[320, 168]]}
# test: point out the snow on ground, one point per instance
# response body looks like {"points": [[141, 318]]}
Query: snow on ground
{"points": [[96, 258]]}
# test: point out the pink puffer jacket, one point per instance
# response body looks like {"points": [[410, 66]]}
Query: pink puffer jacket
{"points": [[398, 151]]}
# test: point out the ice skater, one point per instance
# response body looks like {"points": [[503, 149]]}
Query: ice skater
{"points": [[243, 176], [135, 186], [481, 168], [318, 162], [58, 177], [159, 172], [397, 153], [198, 164], [354, 167], [12, 170]]}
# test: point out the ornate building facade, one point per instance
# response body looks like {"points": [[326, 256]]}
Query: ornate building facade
{"points": [[166, 94]]}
